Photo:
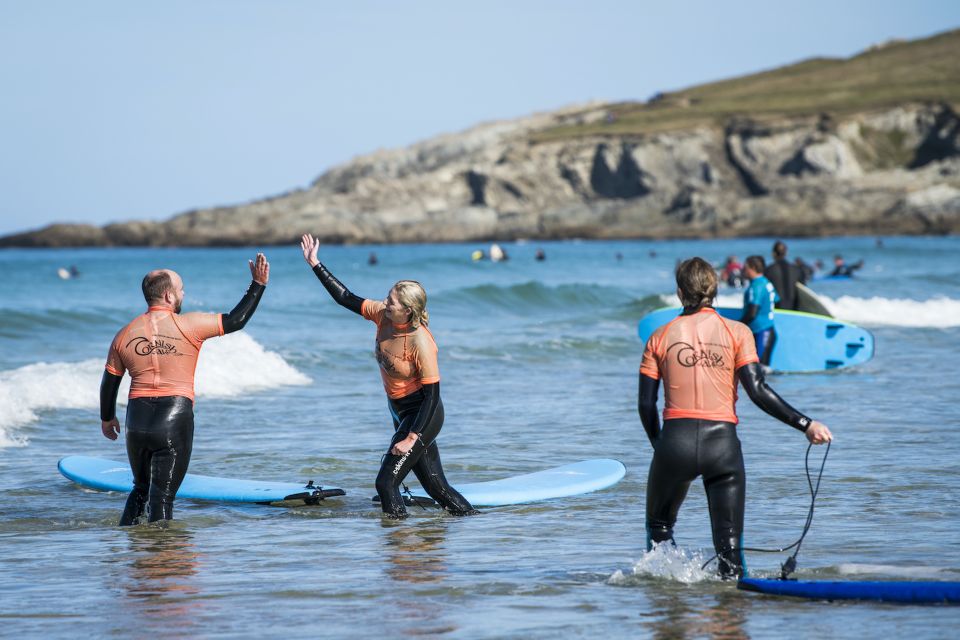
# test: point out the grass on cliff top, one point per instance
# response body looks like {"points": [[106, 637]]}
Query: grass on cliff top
{"points": [[896, 73]]}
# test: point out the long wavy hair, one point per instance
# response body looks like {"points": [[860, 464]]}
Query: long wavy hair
{"points": [[413, 297]]}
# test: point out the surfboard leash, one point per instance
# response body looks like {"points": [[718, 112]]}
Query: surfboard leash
{"points": [[790, 564]]}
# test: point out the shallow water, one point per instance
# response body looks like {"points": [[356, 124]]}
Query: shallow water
{"points": [[539, 364]]}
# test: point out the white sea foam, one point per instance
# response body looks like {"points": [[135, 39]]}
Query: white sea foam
{"points": [[900, 312], [939, 312], [228, 366], [667, 562]]}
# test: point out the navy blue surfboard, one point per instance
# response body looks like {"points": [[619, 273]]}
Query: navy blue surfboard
{"points": [[805, 341], [893, 591], [109, 475]]}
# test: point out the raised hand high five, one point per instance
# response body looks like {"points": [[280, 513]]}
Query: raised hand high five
{"points": [[309, 246]]}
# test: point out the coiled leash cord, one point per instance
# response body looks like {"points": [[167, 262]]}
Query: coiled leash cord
{"points": [[790, 565]]}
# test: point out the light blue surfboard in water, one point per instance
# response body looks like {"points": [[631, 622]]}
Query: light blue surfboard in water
{"points": [[559, 482], [805, 341], [109, 475]]}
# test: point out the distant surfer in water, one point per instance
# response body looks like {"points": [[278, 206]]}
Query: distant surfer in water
{"points": [[700, 357], [758, 304], [407, 355], [160, 350], [841, 268]]}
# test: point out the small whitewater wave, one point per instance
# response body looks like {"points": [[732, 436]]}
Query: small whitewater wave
{"points": [[228, 366], [665, 562], [939, 312]]}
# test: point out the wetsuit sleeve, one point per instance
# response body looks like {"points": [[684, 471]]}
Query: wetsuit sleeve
{"points": [[238, 317], [752, 379], [426, 358], [431, 400], [750, 306], [746, 352], [340, 294], [647, 406], [109, 386], [114, 361], [372, 310], [650, 365]]}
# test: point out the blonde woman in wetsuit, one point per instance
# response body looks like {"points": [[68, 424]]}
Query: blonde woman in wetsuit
{"points": [[407, 355], [700, 357]]}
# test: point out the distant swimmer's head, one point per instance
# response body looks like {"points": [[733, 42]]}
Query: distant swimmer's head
{"points": [[754, 267], [407, 302], [163, 287], [779, 250], [696, 283]]}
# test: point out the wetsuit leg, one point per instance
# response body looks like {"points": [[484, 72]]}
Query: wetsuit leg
{"points": [[429, 472], [159, 444], [765, 340], [423, 459], [724, 479], [672, 470], [139, 412], [686, 449]]}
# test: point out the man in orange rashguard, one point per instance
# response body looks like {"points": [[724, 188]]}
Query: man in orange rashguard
{"points": [[160, 350], [700, 356]]}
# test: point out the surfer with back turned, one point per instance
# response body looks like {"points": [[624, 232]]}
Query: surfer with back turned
{"points": [[784, 276], [758, 303], [700, 357], [407, 355], [160, 350]]}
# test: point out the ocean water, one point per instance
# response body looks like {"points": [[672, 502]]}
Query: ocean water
{"points": [[539, 367]]}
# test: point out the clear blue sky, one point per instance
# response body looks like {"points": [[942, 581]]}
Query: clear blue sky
{"points": [[126, 110]]}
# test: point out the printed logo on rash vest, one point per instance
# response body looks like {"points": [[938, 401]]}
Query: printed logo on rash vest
{"points": [[690, 356], [145, 347]]}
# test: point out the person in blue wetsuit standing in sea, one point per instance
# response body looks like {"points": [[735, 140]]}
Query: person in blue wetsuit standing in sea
{"points": [[758, 302]]}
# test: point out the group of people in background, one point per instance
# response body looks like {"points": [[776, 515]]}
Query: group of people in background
{"points": [[774, 286]]}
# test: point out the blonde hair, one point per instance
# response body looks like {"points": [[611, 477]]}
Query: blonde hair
{"points": [[412, 297], [697, 282]]}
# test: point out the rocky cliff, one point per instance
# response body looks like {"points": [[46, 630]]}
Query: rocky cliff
{"points": [[604, 171]]}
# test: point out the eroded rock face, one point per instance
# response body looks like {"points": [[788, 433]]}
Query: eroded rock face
{"points": [[896, 171]]}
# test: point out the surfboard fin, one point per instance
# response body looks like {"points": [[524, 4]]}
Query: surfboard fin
{"points": [[788, 567], [315, 494]]}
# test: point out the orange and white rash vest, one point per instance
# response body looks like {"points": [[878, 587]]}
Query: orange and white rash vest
{"points": [[697, 356], [160, 350], [407, 355]]}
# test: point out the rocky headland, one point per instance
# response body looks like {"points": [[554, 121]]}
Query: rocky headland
{"points": [[866, 145]]}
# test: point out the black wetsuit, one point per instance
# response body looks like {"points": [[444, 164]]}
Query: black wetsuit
{"points": [[784, 276], [686, 448], [420, 412], [159, 432]]}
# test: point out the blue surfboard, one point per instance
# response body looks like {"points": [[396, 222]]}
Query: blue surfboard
{"points": [[109, 475], [894, 591], [559, 482], [805, 341]]}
